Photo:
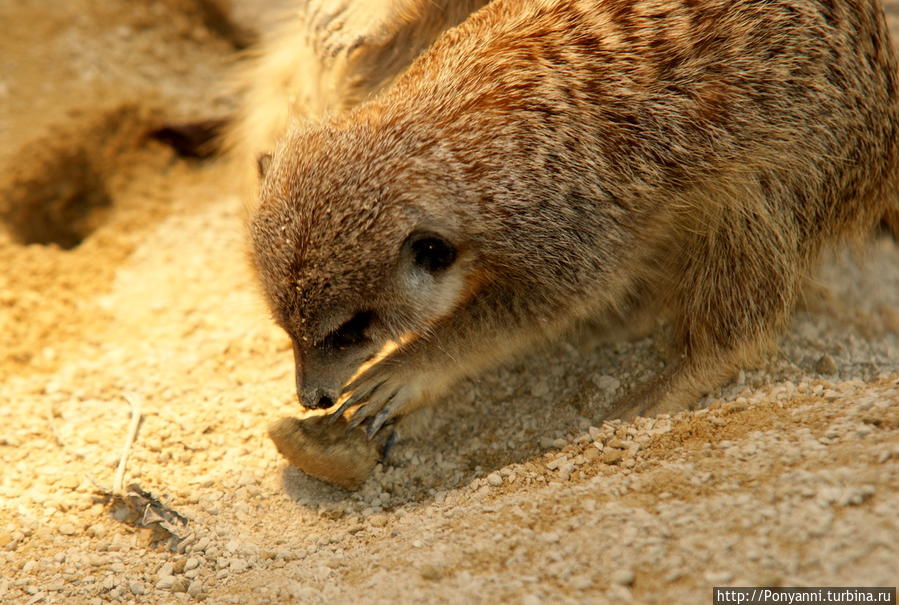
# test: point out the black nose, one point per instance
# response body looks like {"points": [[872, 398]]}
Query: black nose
{"points": [[316, 399], [324, 402]]}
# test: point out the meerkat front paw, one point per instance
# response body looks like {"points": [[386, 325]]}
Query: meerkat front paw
{"points": [[376, 398]]}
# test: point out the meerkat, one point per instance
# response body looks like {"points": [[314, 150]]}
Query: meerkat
{"points": [[547, 162]]}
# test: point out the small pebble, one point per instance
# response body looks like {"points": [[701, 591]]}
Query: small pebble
{"points": [[191, 563], [136, 588], [238, 566], [430, 572], [582, 582], [167, 569], [716, 578], [67, 529], [623, 577], [165, 582], [201, 545], [284, 554], [195, 589], [609, 384], [550, 537], [494, 479], [612, 456], [69, 482], [826, 365]]}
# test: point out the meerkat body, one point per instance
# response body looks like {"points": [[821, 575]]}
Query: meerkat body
{"points": [[547, 162]]}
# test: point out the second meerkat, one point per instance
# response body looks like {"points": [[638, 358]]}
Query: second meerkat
{"points": [[552, 161]]}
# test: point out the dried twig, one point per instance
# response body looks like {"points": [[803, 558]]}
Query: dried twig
{"points": [[144, 509], [118, 482]]}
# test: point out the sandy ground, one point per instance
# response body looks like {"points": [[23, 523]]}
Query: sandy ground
{"points": [[124, 275]]}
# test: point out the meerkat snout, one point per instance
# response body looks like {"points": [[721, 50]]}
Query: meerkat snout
{"points": [[322, 369], [318, 389]]}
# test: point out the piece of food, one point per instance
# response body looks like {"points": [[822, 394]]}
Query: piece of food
{"points": [[326, 450]]}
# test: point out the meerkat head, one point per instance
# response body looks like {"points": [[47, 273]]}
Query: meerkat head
{"points": [[354, 253]]}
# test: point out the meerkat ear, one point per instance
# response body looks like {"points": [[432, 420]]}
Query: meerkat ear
{"points": [[262, 164], [431, 252]]}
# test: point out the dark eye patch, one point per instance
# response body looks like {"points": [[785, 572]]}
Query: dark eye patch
{"points": [[432, 253], [352, 332]]}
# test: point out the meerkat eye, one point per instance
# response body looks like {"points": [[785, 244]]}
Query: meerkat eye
{"points": [[352, 332], [431, 252]]}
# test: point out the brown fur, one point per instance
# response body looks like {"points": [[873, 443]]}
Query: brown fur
{"points": [[327, 57], [587, 159]]}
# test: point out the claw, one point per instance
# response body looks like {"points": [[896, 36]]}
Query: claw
{"points": [[339, 412], [365, 413], [388, 445], [371, 429], [378, 421], [357, 419], [353, 400], [360, 381]]}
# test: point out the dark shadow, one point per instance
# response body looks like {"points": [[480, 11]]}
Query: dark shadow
{"points": [[61, 206], [508, 416], [198, 139]]}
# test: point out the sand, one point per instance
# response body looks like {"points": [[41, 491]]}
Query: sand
{"points": [[125, 275]]}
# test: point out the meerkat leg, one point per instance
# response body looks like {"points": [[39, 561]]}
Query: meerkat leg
{"points": [[739, 283], [396, 387], [422, 370], [680, 386]]}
